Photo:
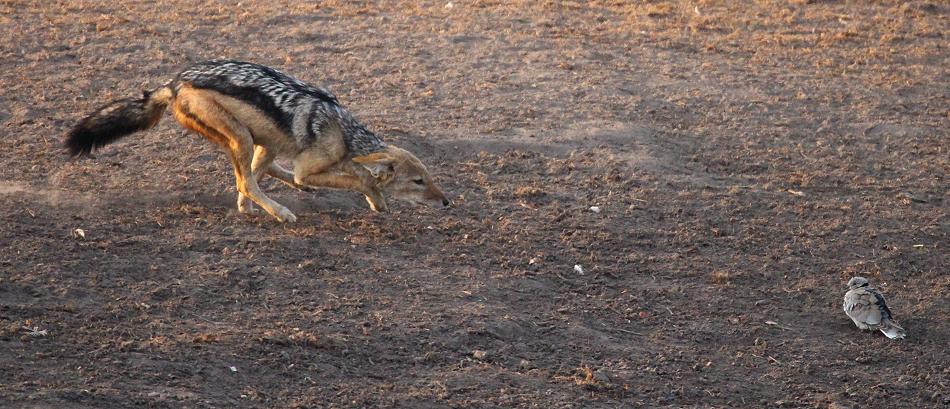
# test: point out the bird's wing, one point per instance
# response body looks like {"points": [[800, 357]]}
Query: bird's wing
{"points": [[862, 305], [881, 305]]}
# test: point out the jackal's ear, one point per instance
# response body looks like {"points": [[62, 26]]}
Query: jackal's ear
{"points": [[376, 163]]}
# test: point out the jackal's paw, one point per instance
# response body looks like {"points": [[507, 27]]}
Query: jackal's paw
{"points": [[247, 208], [377, 205], [285, 215], [245, 205]]}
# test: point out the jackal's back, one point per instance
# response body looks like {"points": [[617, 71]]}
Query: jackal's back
{"points": [[254, 81], [298, 108]]}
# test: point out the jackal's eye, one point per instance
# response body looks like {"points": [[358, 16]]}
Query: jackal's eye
{"points": [[418, 181]]}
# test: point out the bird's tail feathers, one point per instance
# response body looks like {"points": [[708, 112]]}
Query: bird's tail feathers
{"points": [[893, 331]]}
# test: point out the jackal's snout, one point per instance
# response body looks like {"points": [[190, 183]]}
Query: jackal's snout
{"points": [[436, 197], [402, 176]]}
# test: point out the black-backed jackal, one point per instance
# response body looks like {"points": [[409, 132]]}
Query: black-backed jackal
{"points": [[256, 114]]}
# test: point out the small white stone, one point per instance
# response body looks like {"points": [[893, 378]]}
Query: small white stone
{"points": [[595, 209], [578, 269], [449, 5], [524, 365], [233, 368]]}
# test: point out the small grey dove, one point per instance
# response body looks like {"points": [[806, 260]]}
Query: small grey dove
{"points": [[866, 307]]}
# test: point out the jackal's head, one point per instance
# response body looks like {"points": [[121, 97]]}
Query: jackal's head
{"points": [[400, 175]]}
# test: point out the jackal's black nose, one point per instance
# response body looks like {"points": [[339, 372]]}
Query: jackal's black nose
{"points": [[446, 203]]}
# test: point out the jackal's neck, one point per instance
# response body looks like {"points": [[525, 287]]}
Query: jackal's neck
{"points": [[359, 140]]}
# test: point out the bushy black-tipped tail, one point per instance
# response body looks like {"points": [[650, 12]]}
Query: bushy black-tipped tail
{"points": [[117, 119]]}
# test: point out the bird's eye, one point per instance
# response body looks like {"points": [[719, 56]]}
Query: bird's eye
{"points": [[418, 181]]}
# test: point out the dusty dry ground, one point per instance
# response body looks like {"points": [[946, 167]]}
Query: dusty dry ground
{"points": [[748, 158]]}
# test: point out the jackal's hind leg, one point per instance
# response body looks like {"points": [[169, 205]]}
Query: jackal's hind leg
{"points": [[240, 147], [247, 183], [198, 111], [260, 165]]}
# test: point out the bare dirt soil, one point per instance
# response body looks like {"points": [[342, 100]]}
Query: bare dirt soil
{"points": [[747, 159]]}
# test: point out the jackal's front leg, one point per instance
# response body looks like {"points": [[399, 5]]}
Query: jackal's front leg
{"points": [[340, 181], [376, 200], [278, 172]]}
